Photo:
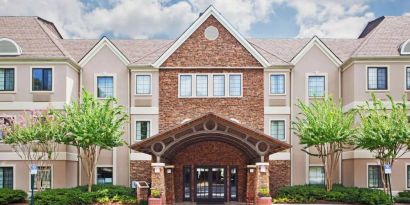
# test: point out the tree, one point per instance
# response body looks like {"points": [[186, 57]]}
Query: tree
{"points": [[34, 137], [93, 125], [384, 131], [325, 127]]}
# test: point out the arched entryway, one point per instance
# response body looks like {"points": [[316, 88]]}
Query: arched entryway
{"points": [[210, 159]]}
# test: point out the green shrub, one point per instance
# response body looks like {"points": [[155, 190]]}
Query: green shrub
{"points": [[8, 196], [79, 195], [312, 193], [403, 197], [263, 192], [155, 193]]}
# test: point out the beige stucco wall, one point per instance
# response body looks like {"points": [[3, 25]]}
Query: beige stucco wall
{"points": [[309, 64]]}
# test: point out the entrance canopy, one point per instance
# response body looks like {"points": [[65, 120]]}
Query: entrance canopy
{"points": [[210, 127]]}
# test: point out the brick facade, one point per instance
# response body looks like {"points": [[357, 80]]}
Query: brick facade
{"points": [[140, 170], [210, 153], [279, 171]]}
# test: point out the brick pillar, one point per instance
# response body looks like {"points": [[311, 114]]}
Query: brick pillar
{"points": [[169, 184], [158, 179], [261, 176], [250, 183]]}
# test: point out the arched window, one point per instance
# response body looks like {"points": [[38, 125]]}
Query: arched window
{"points": [[405, 48], [9, 48]]}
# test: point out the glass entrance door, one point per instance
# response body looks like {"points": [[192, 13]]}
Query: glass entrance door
{"points": [[210, 184]]}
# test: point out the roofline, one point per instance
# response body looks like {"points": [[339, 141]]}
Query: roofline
{"points": [[24, 60], [366, 59], [211, 10]]}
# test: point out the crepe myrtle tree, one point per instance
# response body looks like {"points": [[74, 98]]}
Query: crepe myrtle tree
{"points": [[385, 131], [93, 125], [34, 136], [324, 130]]}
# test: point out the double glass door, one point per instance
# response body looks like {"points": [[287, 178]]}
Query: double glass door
{"points": [[210, 184]]}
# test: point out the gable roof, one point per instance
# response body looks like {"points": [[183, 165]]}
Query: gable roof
{"points": [[97, 47], [208, 12]]}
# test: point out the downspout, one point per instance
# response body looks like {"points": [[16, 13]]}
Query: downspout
{"points": [[341, 100], [290, 120]]}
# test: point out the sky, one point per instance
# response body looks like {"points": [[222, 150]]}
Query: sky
{"points": [[167, 19]]}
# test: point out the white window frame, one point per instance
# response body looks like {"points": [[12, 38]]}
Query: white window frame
{"points": [[104, 165], [367, 78], [210, 85], [316, 165], [367, 174], [15, 79], [406, 169], [402, 52], [52, 177], [19, 50], [114, 81], [405, 78], [284, 84], [135, 128], [270, 128], [150, 89], [307, 85], [53, 82], [14, 172], [207, 85]]}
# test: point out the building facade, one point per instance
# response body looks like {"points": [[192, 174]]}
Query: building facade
{"points": [[209, 110]]}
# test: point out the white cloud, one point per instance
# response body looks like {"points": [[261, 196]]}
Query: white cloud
{"points": [[406, 14], [136, 18], [332, 18]]}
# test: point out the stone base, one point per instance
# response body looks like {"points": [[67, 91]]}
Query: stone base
{"points": [[279, 175]]}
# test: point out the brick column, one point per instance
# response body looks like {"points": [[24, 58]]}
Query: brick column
{"points": [[261, 176], [158, 179], [250, 183], [169, 180]]}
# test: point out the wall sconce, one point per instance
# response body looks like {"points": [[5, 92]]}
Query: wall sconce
{"points": [[169, 171], [157, 169], [263, 168], [251, 170]]}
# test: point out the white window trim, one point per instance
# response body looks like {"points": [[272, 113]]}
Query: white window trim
{"points": [[19, 50], [315, 165], [14, 172], [114, 79], [210, 85], [52, 177], [307, 85], [12, 116], [15, 79], [284, 84], [406, 169], [405, 78], [388, 78], [402, 52], [367, 174], [104, 165], [150, 91], [270, 128], [53, 82], [135, 128]]}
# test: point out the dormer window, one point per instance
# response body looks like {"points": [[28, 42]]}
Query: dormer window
{"points": [[405, 48], [9, 48]]}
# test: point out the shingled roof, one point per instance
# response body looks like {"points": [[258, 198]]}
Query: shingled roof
{"points": [[39, 38]]}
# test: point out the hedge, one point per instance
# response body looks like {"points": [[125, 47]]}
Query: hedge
{"points": [[8, 196], [100, 194], [313, 193], [403, 197]]}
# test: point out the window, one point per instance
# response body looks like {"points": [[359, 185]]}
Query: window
{"points": [[42, 79], [143, 84], [277, 84], [187, 183], [43, 178], [377, 78], [405, 48], [5, 122], [316, 175], [185, 85], [374, 179], [105, 86], [408, 176], [235, 85], [6, 177], [142, 130], [408, 78], [219, 85], [104, 175], [6, 79], [316, 86], [277, 129], [201, 85], [9, 47]]}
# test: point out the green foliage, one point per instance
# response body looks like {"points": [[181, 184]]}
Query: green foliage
{"points": [[312, 193], [155, 193], [403, 197], [79, 196], [263, 192], [8, 196]]}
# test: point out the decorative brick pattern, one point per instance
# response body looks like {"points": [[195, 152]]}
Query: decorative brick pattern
{"points": [[198, 51], [209, 153], [247, 109], [279, 175], [140, 170], [169, 187]]}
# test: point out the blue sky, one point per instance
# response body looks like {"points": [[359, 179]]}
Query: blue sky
{"points": [[169, 18]]}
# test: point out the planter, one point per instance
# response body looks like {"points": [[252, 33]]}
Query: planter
{"points": [[264, 201], [154, 201]]}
